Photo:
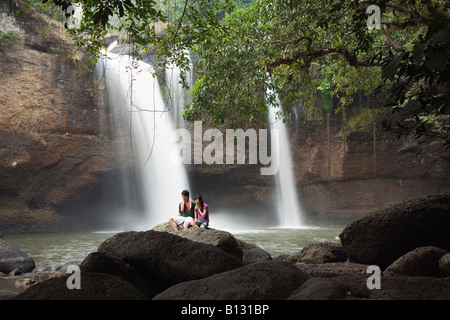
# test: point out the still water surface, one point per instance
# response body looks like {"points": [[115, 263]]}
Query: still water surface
{"points": [[57, 249]]}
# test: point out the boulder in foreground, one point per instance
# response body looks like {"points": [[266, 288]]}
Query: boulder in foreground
{"points": [[221, 239], [13, 258], [444, 265], [100, 263], [354, 287], [166, 259], [267, 280], [386, 234], [324, 252], [94, 286], [423, 261]]}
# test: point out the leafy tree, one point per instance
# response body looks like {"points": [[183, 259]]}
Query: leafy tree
{"points": [[253, 52]]}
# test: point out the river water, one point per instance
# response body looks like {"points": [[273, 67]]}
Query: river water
{"points": [[58, 249]]}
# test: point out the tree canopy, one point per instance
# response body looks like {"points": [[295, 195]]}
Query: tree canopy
{"points": [[253, 52]]}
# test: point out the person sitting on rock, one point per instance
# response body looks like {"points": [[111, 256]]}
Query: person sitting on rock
{"points": [[185, 212], [201, 213]]}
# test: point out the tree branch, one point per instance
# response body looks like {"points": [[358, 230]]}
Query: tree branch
{"points": [[414, 13], [390, 42], [181, 20], [302, 54]]}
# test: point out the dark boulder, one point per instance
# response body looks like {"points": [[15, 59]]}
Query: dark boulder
{"points": [[7, 294], [351, 286], [166, 259], [100, 263], [354, 287], [221, 239], [247, 252], [386, 234], [267, 280], [444, 265], [94, 286], [423, 261], [252, 253], [332, 269], [13, 258], [165, 226], [398, 287], [324, 252]]}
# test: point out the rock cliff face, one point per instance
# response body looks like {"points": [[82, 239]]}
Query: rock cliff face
{"points": [[51, 143], [366, 176]]}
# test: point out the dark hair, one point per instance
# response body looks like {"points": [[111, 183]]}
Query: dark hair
{"points": [[199, 197], [185, 193]]}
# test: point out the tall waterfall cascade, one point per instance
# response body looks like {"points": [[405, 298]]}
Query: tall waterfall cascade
{"points": [[135, 95], [288, 205], [176, 96]]}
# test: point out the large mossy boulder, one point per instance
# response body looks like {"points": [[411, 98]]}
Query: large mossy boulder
{"points": [[386, 234], [12, 258], [166, 259]]}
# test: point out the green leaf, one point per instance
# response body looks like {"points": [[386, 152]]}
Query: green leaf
{"points": [[390, 70], [437, 24], [418, 53], [442, 36], [436, 58]]}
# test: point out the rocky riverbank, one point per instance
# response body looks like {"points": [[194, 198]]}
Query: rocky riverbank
{"points": [[211, 264]]}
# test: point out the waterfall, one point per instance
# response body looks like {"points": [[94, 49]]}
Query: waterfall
{"points": [[135, 95], [288, 206], [176, 96]]}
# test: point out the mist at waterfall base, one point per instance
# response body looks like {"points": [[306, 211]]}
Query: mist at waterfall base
{"points": [[151, 114]]}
